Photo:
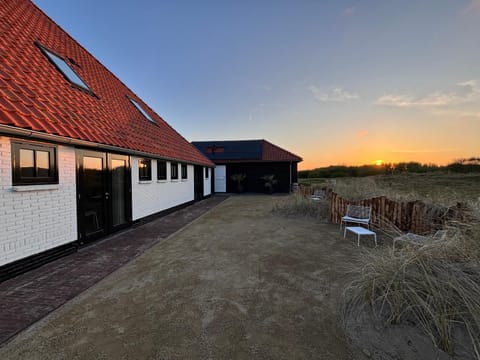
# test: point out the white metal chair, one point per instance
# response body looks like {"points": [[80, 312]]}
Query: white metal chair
{"points": [[358, 215], [317, 195], [420, 240]]}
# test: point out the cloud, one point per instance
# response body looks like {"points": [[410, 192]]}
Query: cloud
{"points": [[418, 151], [468, 91], [474, 5], [471, 89], [469, 114], [333, 95], [362, 133], [349, 11], [435, 99], [453, 113]]}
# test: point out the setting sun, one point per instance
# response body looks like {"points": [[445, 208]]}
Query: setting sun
{"points": [[379, 162]]}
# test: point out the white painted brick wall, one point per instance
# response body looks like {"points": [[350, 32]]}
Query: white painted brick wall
{"points": [[35, 221], [207, 183], [152, 197]]}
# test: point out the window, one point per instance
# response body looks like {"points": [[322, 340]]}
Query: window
{"points": [[207, 170], [142, 111], [174, 168], [184, 171], [65, 69], [145, 169], [161, 170], [34, 164]]}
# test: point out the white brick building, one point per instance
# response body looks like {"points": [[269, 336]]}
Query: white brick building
{"points": [[81, 155]]}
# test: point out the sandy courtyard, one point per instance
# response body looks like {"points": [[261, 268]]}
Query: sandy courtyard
{"points": [[238, 283]]}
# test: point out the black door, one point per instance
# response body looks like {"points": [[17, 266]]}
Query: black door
{"points": [[103, 194], [118, 184], [198, 182]]}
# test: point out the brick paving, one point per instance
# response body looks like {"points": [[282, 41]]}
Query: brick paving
{"points": [[29, 297]]}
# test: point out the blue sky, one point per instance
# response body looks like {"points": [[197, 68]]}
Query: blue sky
{"points": [[333, 81]]}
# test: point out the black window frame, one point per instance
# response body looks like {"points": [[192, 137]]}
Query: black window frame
{"points": [[161, 170], [207, 171], [141, 110], [174, 174], [184, 172], [147, 176], [48, 53], [18, 179]]}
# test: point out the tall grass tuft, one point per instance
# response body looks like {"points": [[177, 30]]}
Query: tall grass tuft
{"points": [[436, 287], [298, 205]]}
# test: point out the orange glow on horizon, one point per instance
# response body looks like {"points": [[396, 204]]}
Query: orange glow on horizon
{"points": [[342, 158]]}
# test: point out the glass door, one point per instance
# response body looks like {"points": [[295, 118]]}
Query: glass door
{"points": [[103, 190], [119, 186]]}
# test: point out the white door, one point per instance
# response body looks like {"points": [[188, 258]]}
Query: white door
{"points": [[220, 178]]}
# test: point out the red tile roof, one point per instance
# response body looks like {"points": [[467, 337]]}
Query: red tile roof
{"points": [[244, 151], [35, 95], [271, 152]]}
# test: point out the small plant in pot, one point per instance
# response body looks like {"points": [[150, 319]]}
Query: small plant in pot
{"points": [[238, 179], [270, 182]]}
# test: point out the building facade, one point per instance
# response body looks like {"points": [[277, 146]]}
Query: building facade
{"points": [[81, 155], [254, 159]]}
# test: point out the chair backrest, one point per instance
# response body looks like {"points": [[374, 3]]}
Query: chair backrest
{"points": [[359, 212], [440, 235]]}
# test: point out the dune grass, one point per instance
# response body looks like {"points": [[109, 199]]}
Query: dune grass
{"points": [[435, 287], [442, 189], [298, 205]]}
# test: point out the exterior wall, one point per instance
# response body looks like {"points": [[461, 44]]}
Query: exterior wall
{"points": [[36, 218], [207, 182], [294, 172], [254, 172], [150, 197]]}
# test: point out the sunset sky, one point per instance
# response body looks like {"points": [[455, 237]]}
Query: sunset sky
{"points": [[336, 82]]}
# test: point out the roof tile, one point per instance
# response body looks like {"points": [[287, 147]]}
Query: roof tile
{"points": [[34, 95], [273, 152]]}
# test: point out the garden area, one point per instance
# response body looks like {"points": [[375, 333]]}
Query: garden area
{"points": [[432, 289], [262, 276]]}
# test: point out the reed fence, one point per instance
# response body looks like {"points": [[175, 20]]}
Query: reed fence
{"points": [[407, 216]]}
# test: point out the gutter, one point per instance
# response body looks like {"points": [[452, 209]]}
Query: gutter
{"points": [[37, 135]]}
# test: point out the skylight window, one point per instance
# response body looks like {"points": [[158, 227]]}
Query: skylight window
{"points": [[65, 69], [139, 108]]}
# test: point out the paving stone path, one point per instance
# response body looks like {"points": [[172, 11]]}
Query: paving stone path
{"points": [[29, 297]]}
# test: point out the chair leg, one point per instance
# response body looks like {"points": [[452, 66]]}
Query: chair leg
{"points": [[358, 240], [345, 232], [375, 237]]}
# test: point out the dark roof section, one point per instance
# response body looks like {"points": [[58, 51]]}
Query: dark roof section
{"points": [[244, 150], [35, 95]]}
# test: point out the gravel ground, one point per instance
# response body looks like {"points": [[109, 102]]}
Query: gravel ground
{"points": [[238, 283]]}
